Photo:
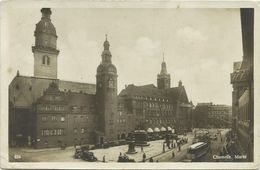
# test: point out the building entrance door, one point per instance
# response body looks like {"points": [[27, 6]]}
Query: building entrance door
{"points": [[101, 140]]}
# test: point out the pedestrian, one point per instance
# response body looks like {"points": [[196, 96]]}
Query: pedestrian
{"points": [[173, 154], [179, 148], [104, 158], [120, 154], [142, 149], [151, 159], [163, 148], [144, 157]]}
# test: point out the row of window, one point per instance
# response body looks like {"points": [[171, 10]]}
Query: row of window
{"points": [[53, 118], [82, 130], [152, 98], [152, 121], [51, 107], [154, 113], [157, 106], [121, 120], [53, 132]]}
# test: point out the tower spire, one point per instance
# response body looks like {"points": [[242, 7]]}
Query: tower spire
{"points": [[163, 56], [46, 12], [163, 69], [163, 79], [106, 44]]}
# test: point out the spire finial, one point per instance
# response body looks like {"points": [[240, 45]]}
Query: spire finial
{"points": [[46, 12], [106, 44], [163, 56]]}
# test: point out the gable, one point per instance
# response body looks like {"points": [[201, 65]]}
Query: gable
{"points": [[183, 96]]}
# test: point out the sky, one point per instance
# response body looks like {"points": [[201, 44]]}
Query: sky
{"points": [[199, 46]]}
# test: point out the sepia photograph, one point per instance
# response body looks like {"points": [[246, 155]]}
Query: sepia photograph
{"points": [[128, 85]]}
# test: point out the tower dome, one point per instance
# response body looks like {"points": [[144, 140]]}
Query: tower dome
{"points": [[45, 25], [45, 48], [45, 32]]}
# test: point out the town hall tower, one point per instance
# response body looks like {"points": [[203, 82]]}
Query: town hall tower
{"points": [[106, 96], [163, 79], [45, 50]]}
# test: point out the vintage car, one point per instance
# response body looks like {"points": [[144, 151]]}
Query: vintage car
{"points": [[79, 151], [125, 159], [88, 156]]}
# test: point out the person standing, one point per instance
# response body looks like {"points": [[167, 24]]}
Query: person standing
{"points": [[142, 149], [179, 146], [173, 154], [104, 158], [163, 148], [144, 157]]}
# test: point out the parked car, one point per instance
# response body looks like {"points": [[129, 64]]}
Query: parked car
{"points": [[78, 153], [88, 156], [125, 159], [106, 145]]}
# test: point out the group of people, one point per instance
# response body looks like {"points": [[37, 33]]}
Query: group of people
{"points": [[174, 144]]}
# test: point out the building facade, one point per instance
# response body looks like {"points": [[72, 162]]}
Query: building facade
{"points": [[243, 89], [45, 111], [209, 115]]}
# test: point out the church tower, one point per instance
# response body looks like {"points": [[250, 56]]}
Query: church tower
{"points": [[106, 96], [163, 79], [45, 51]]}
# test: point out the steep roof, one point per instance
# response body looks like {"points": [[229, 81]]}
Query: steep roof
{"points": [[150, 90], [146, 90], [32, 88]]}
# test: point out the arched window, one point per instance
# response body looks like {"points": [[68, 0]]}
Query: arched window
{"points": [[46, 60], [43, 59]]}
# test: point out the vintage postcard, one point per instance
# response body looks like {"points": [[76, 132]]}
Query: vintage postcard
{"points": [[129, 85]]}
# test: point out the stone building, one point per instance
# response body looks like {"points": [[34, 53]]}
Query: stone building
{"points": [[45, 111], [243, 89], [207, 115]]}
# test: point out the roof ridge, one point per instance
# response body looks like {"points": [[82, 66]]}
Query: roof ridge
{"points": [[55, 79]]}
